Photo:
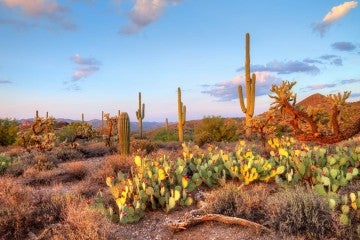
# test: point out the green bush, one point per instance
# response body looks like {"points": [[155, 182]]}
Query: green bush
{"points": [[215, 129], [5, 162], [166, 136], [8, 131], [76, 131]]}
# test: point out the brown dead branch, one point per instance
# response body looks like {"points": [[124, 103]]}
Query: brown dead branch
{"points": [[194, 220]]}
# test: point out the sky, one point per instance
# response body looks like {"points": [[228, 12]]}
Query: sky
{"points": [[69, 57]]}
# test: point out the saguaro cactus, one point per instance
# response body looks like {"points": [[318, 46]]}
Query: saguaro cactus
{"points": [[82, 118], [181, 116], [124, 133], [250, 90], [166, 124], [140, 114]]}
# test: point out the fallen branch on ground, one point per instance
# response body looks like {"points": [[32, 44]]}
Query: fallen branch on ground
{"points": [[193, 220]]}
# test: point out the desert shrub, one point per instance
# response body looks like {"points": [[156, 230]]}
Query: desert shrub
{"points": [[44, 161], [94, 150], [165, 136], [8, 131], [142, 146], [223, 200], [171, 146], [24, 210], [75, 171], [76, 131], [300, 211], [81, 222], [235, 201], [110, 166], [65, 154], [16, 209], [5, 162], [215, 129], [11, 166]]}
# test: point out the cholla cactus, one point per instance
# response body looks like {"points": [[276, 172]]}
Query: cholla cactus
{"points": [[285, 100], [42, 137], [337, 101], [263, 126], [110, 130]]}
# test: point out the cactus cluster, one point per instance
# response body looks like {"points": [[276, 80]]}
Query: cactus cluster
{"points": [[250, 89], [181, 116], [166, 183]]}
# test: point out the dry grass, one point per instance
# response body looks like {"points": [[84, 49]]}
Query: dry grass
{"points": [[110, 166], [76, 171], [65, 154], [23, 210], [300, 211], [95, 150], [238, 201], [78, 221]]}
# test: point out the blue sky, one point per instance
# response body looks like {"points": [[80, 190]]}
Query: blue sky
{"points": [[69, 57]]}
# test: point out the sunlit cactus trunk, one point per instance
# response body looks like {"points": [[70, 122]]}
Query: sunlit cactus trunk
{"points": [[250, 90], [124, 133], [140, 114], [181, 116]]}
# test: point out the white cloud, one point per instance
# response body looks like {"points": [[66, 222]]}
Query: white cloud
{"points": [[86, 67], [144, 13], [334, 15], [227, 90], [34, 7], [55, 14]]}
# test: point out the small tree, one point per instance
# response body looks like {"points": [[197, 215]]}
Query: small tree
{"points": [[215, 129], [8, 131]]}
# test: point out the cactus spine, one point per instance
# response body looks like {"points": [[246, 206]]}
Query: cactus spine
{"points": [[140, 114], [181, 116], [124, 133], [250, 90]]}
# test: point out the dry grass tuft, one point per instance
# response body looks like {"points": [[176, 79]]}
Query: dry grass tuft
{"points": [[94, 150], [110, 166], [81, 222], [300, 211], [65, 154], [237, 201], [75, 171]]}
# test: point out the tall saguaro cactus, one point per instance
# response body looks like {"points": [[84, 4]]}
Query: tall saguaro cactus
{"points": [[250, 89], [124, 133], [140, 114], [181, 116]]}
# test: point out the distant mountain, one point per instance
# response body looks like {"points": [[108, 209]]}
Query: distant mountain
{"points": [[315, 100], [97, 123]]}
